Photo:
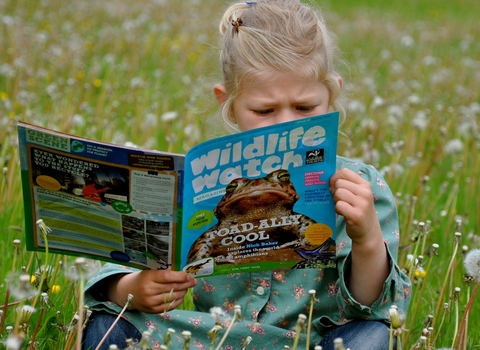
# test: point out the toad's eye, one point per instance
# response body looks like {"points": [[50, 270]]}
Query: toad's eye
{"points": [[283, 176], [232, 186]]}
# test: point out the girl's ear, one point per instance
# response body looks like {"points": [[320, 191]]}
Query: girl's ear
{"points": [[220, 94], [340, 81]]}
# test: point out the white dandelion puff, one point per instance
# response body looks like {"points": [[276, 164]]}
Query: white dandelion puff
{"points": [[472, 264], [454, 146], [169, 116]]}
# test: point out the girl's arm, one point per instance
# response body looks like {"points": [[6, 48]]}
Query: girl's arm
{"points": [[369, 262]]}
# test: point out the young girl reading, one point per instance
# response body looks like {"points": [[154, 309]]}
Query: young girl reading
{"points": [[277, 58]]}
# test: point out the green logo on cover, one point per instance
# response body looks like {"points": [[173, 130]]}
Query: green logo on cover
{"points": [[77, 146], [122, 207], [200, 219]]}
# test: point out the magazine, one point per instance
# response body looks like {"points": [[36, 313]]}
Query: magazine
{"points": [[252, 201]]}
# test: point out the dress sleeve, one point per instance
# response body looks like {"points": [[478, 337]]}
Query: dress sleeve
{"points": [[396, 289], [95, 288]]}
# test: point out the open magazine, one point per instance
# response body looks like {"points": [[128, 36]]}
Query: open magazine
{"points": [[256, 200]]}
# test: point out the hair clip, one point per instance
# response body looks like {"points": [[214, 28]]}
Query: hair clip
{"points": [[250, 3], [237, 24]]}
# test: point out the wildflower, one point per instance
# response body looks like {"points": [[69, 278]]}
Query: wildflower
{"points": [[97, 83], [420, 272], [472, 264], [55, 289]]}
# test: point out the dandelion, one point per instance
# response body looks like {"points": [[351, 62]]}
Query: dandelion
{"points": [[218, 315], [187, 336], [246, 342], [14, 342], [454, 146], [44, 229], [21, 288], [168, 336], [472, 267], [472, 264], [338, 344], [55, 289], [144, 335], [169, 116], [213, 334], [298, 329], [83, 269], [237, 313], [97, 83]]}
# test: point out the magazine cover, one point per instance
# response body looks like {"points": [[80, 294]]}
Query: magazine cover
{"points": [[260, 199], [100, 200]]}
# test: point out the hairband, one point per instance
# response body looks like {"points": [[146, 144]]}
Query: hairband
{"points": [[250, 3], [237, 24]]}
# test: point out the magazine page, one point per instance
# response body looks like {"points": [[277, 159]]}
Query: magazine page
{"points": [[114, 203], [260, 199]]}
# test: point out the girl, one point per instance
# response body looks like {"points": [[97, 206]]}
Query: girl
{"points": [[277, 59]]}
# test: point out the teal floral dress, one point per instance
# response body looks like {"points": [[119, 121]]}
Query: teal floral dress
{"points": [[272, 300]]}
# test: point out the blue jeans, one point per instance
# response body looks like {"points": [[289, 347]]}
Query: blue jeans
{"points": [[356, 335]]}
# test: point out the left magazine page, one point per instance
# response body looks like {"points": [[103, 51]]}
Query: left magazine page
{"points": [[104, 201]]}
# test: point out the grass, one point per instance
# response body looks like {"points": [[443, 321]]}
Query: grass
{"points": [[111, 69]]}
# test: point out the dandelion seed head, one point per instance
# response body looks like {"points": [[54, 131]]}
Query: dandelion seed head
{"points": [[14, 343], [83, 269], [472, 264], [169, 116], [237, 309], [454, 146], [43, 227]]}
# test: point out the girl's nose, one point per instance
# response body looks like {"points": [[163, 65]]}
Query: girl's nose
{"points": [[285, 116]]}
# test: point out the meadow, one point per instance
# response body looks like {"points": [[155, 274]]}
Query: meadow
{"points": [[141, 73]]}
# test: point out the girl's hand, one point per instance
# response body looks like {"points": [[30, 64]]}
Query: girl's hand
{"points": [[153, 291], [353, 199]]}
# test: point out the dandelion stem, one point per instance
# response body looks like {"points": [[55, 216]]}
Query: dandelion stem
{"points": [[10, 279], [230, 326], [460, 341], [449, 268], [129, 298], [418, 296], [37, 326]]}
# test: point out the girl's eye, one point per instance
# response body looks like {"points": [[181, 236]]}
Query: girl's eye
{"points": [[263, 111], [305, 108]]}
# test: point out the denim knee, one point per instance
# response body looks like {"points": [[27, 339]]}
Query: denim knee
{"points": [[360, 335], [98, 325]]}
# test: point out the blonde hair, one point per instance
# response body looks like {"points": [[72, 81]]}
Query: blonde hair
{"points": [[279, 35]]}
